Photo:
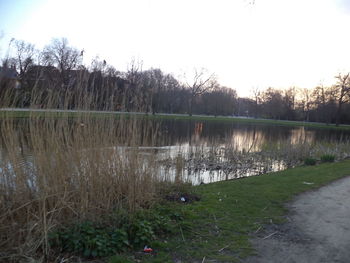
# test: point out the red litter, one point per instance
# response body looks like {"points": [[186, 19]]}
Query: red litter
{"points": [[147, 249]]}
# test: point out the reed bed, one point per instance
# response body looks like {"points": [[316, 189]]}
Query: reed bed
{"points": [[59, 169], [216, 162], [78, 169]]}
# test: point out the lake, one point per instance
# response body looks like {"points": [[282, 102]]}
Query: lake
{"points": [[186, 150]]}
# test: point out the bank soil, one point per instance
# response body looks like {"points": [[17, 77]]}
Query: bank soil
{"points": [[317, 229]]}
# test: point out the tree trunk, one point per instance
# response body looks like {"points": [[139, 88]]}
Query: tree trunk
{"points": [[337, 120], [190, 103]]}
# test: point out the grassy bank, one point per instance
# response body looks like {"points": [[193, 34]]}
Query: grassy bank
{"points": [[56, 114], [218, 227], [251, 120]]}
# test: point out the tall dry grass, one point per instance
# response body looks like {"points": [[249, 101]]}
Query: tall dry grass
{"points": [[57, 169], [80, 168]]}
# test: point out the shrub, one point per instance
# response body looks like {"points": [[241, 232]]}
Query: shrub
{"points": [[141, 233], [90, 240], [327, 158], [310, 161]]}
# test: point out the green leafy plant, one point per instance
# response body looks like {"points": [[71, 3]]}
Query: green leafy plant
{"points": [[327, 158], [99, 240], [90, 240], [141, 233], [309, 161]]}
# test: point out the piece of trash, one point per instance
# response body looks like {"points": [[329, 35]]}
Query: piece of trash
{"points": [[183, 199], [307, 183], [147, 249], [220, 200]]}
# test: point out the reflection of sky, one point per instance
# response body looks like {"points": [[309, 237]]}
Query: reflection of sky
{"points": [[248, 137], [247, 140], [301, 136]]}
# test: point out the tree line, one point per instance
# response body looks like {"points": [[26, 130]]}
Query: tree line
{"points": [[56, 77]]}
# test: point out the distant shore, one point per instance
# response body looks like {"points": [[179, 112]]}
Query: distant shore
{"points": [[26, 112]]}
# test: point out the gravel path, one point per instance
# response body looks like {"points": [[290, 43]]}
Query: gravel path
{"points": [[318, 229]]}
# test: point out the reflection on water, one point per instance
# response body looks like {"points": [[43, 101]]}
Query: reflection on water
{"points": [[203, 152], [302, 135], [214, 151], [248, 140], [249, 137]]}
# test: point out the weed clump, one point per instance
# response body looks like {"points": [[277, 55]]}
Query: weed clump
{"points": [[310, 161], [96, 239], [90, 240], [327, 158]]}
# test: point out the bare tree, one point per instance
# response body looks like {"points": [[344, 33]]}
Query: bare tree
{"points": [[24, 56], [306, 102], [220, 101], [62, 56], [201, 82], [256, 94], [321, 99], [289, 103], [273, 105], [98, 65], [133, 93], [342, 94]]}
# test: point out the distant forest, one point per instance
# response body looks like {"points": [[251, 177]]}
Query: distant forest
{"points": [[55, 77]]}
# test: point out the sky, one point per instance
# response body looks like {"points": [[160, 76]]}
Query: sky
{"points": [[248, 44]]}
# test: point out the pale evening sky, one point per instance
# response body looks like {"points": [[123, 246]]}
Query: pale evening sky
{"points": [[271, 43]]}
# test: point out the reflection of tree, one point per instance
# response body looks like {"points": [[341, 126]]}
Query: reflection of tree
{"points": [[198, 128], [247, 139], [301, 136]]}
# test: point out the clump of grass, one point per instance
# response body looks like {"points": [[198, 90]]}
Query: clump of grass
{"points": [[327, 158], [310, 161]]}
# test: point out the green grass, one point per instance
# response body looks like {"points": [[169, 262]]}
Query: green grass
{"points": [[23, 114], [219, 226], [252, 120]]}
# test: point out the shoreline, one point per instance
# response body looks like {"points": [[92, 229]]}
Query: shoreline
{"points": [[26, 112]]}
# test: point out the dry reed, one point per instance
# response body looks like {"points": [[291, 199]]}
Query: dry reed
{"points": [[59, 169]]}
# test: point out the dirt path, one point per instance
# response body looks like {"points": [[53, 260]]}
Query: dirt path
{"points": [[318, 229]]}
